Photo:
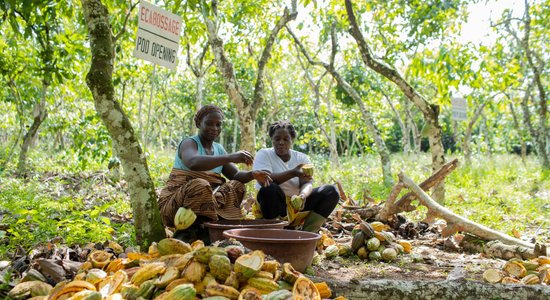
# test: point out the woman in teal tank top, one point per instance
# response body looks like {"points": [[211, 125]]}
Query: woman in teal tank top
{"points": [[196, 180]]}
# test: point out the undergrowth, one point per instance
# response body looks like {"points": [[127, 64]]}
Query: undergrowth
{"points": [[58, 201]]}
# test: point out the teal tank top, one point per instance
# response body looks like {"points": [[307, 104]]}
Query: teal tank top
{"points": [[218, 150]]}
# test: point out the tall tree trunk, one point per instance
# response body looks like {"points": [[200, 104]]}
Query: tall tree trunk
{"points": [[369, 119], [333, 150], [468, 134], [143, 197], [405, 139], [429, 111], [412, 128], [40, 113], [199, 71], [535, 132]]}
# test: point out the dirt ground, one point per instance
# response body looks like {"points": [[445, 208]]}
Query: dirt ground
{"points": [[427, 261]]}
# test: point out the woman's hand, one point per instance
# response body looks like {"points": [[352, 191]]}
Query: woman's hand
{"points": [[262, 177], [300, 173], [242, 156]]}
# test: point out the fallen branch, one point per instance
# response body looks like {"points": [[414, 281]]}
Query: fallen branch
{"points": [[455, 222], [433, 180], [389, 208]]}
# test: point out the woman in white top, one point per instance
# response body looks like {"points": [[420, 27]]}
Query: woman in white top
{"points": [[285, 168]]}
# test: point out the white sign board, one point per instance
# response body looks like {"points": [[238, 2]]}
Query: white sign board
{"points": [[158, 35], [460, 109]]}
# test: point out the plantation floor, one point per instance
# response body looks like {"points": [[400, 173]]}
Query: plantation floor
{"points": [[427, 261]]}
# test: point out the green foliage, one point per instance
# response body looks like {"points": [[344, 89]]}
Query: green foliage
{"points": [[38, 210]]}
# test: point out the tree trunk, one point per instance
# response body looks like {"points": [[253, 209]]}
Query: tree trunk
{"points": [[429, 111], [405, 139], [332, 142], [198, 98], [468, 135], [145, 210], [416, 138], [39, 115]]}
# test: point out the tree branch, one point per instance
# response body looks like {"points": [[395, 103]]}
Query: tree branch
{"points": [[266, 54], [123, 29]]}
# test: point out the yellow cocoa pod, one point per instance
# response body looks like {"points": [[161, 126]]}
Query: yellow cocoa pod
{"points": [[264, 284], [30, 289], [304, 288], [264, 274], [115, 265], [173, 246], [203, 254], [232, 280], [184, 218], [147, 272], [515, 269], [175, 283], [379, 226], [86, 295], [95, 275], [271, 266], [197, 244], [324, 290], [290, 275], [116, 247], [247, 265], [194, 271], [171, 274], [509, 280], [153, 250], [99, 258], [221, 290], [175, 260], [250, 294], [112, 284], [220, 267], [531, 279], [407, 246], [181, 292], [544, 260]]}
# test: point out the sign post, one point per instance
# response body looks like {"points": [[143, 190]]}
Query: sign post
{"points": [[158, 35], [460, 109]]}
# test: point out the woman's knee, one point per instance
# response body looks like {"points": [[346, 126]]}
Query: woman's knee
{"points": [[330, 193]]}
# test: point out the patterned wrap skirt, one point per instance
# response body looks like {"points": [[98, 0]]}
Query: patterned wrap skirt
{"points": [[206, 193]]}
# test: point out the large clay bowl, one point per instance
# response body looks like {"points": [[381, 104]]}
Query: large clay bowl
{"points": [[293, 246], [216, 228]]}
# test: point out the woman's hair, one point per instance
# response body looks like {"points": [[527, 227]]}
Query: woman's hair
{"points": [[285, 124], [205, 110]]}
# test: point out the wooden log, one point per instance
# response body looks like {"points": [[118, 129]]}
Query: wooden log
{"points": [[497, 249], [381, 289], [456, 222]]}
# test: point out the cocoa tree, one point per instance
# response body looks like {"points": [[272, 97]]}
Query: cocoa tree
{"points": [[99, 79], [247, 107], [430, 111]]}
